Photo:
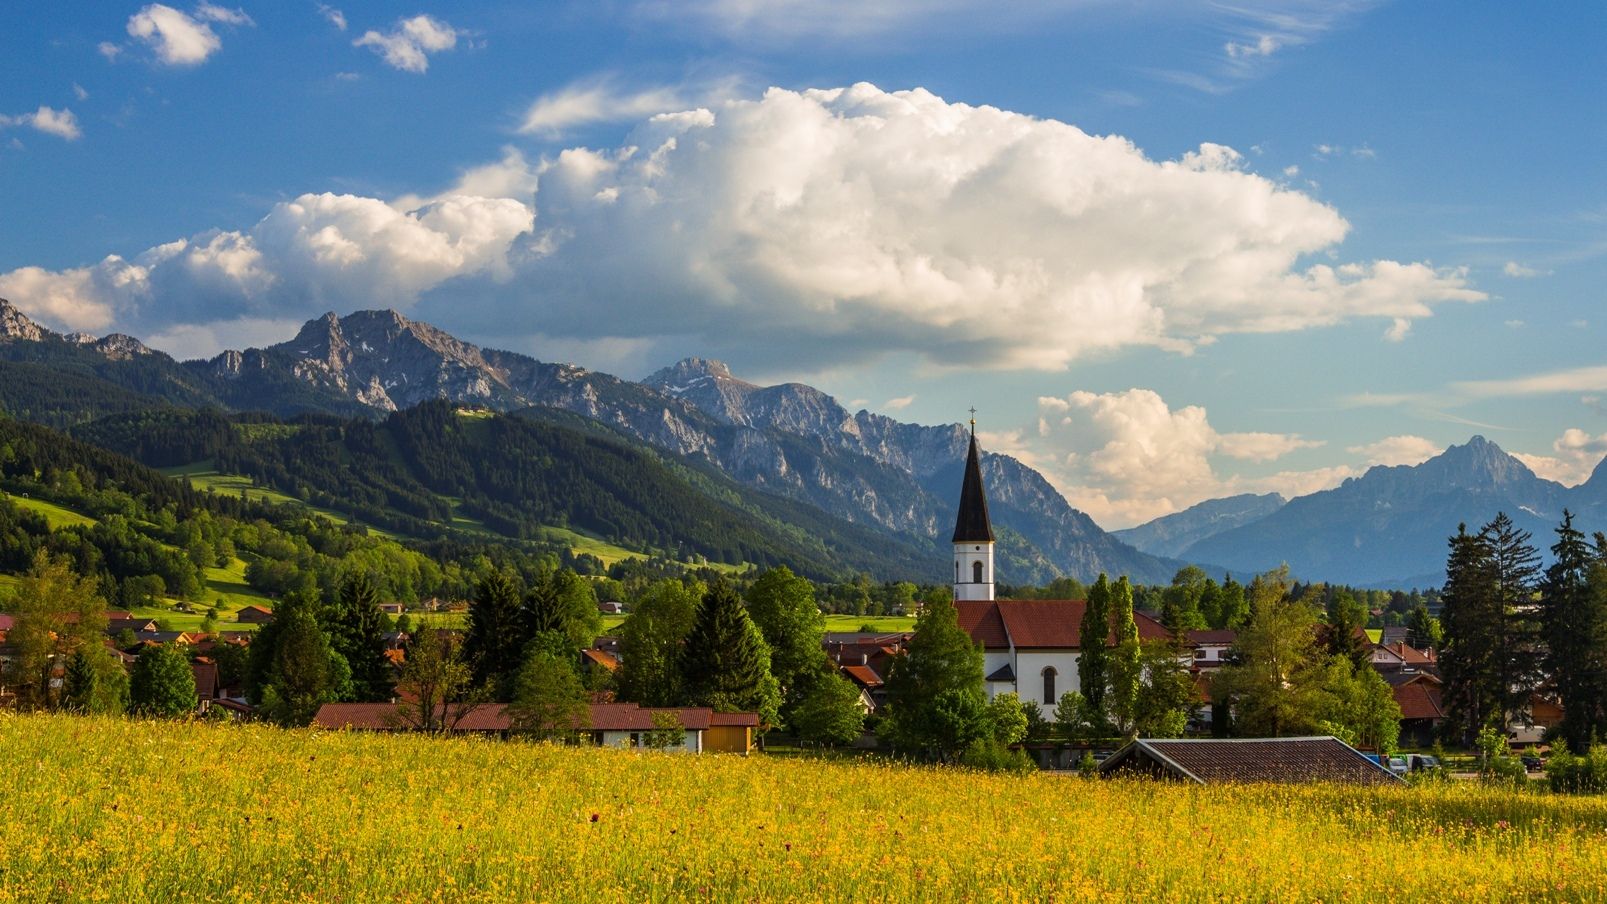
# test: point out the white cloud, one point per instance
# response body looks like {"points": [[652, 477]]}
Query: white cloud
{"points": [[1127, 457], [109, 50], [79, 92], [604, 100], [60, 123], [1513, 324], [1398, 450], [333, 16], [1519, 271], [1574, 380], [177, 38], [318, 252], [409, 43], [899, 403], [205, 340], [1291, 171], [1263, 46], [1576, 454], [860, 221]]}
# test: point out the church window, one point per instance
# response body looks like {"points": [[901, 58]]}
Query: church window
{"points": [[1049, 684], [956, 572], [976, 572]]}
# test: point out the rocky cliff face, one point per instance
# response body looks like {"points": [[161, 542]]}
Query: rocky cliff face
{"points": [[15, 325]]}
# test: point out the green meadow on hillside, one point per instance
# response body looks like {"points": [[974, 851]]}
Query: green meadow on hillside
{"points": [[99, 809]]}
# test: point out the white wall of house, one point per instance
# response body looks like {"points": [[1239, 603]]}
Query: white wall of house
{"points": [[693, 742]]}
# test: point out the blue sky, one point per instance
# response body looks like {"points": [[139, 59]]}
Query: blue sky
{"points": [[1169, 251]]}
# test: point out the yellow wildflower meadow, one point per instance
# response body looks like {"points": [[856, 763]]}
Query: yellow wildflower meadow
{"points": [[96, 809]]}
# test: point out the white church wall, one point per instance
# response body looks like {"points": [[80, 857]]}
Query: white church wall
{"points": [[1029, 675]]}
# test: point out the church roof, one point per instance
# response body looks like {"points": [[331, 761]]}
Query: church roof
{"points": [[1036, 624], [971, 525]]}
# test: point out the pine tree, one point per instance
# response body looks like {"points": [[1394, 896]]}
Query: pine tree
{"points": [[1471, 619], [496, 630], [1124, 666], [1093, 655], [1574, 627], [162, 683], [1516, 572], [303, 672], [1345, 634], [1422, 629], [357, 632], [726, 663]]}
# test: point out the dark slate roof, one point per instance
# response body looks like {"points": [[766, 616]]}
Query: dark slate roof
{"points": [[1279, 760], [1004, 673], [971, 525]]}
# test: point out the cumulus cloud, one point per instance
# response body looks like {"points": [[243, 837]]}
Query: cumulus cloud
{"points": [[1127, 457], [855, 222], [178, 38], [1398, 450], [1575, 454], [605, 100], [315, 253], [409, 43], [60, 123], [858, 220]]}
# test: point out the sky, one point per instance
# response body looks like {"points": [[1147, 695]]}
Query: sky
{"points": [[1169, 251]]}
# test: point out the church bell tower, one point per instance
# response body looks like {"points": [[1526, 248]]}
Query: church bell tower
{"points": [[973, 534]]}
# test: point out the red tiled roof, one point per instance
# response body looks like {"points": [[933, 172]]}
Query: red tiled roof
{"points": [[1419, 701], [734, 720], [7, 622], [1213, 636], [1036, 624], [863, 675]]}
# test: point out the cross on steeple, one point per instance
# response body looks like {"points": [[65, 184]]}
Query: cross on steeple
{"points": [[973, 420]]}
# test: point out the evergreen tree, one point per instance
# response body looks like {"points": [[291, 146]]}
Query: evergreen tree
{"points": [[1124, 666], [496, 630], [1231, 609], [303, 672], [725, 663], [357, 632], [1574, 624], [96, 681], [1471, 617], [1516, 572], [163, 683], [1422, 629], [566, 603], [650, 643], [935, 686], [1344, 632], [1095, 632]]}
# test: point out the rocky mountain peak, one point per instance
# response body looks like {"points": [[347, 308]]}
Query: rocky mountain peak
{"points": [[1478, 462], [687, 373], [121, 347], [15, 325]]}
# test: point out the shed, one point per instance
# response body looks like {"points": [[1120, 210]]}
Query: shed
{"points": [[1278, 760]]}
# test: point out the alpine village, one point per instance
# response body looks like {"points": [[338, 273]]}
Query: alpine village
{"points": [[802, 451]]}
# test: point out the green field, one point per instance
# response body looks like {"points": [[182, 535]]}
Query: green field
{"points": [[57, 516], [100, 809], [203, 476], [884, 624]]}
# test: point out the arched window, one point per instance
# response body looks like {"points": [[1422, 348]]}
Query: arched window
{"points": [[1049, 684], [956, 571], [976, 572]]}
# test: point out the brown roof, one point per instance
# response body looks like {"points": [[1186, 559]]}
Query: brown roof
{"points": [[1036, 624], [1213, 636], [863, 675], [605, 659], [1419, 700], [253, 614], [737, 720], [1281, 760], [206, 678]]}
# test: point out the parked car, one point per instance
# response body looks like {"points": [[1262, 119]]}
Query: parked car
{"points": [[1421, 762], [1397, 765], [1532, 762]]}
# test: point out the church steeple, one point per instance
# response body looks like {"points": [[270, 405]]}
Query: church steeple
{"points": [[973, 533]]}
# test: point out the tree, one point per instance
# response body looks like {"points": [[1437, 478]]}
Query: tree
{"points": [[1230, 609], [1422, 629], [783, 606], [303, 671], [1273, 685], [1125, 665], [725, 663], [57, 613], [1573, 615], [548, 698], [829, 713], [1345, 633], [934, 687], [1095, 631], [1361, 707], [162, 683], [96, 681], [668, 731], [1471, 618], [1180, 603], [496, 633], [357, 632], [435, 684], [1516, 571], [650, 643], [1165, 693], [564, 602], [1073, 716], [1007, 719]]}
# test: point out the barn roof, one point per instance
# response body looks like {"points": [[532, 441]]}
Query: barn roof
{"points": [[1279, 760]]}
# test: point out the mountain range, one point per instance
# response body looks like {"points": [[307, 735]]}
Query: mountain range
{"points": [[792, 440]]}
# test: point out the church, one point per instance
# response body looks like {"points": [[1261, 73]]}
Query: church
{"points": [[1030, 647]]}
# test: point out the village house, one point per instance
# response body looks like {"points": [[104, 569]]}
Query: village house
{"points": [[254, 615]]}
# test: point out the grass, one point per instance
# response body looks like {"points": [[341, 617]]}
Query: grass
{"points": [[95, 809], [57, 516], [203, 476], [884, 624], [8, 586]]}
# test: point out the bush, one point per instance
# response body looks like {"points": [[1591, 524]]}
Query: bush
{"points": [[1497, 765], [1570, 774], [994, 757]]}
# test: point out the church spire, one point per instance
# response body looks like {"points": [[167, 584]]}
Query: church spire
{"points": [[972, 525]]}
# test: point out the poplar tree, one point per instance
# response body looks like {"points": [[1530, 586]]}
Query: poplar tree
{"points": [[1094, 633], [1124, 667]]}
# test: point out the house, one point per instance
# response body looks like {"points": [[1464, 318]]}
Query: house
{"points": [[872, 689], [137, 625], [392, 609], [607, 724], [1401, 656], [593, 659], [612, 607], [1394, 634], [1211, 648], [206, 680], [254, 615], [1279, 760], [1418, 694]]}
